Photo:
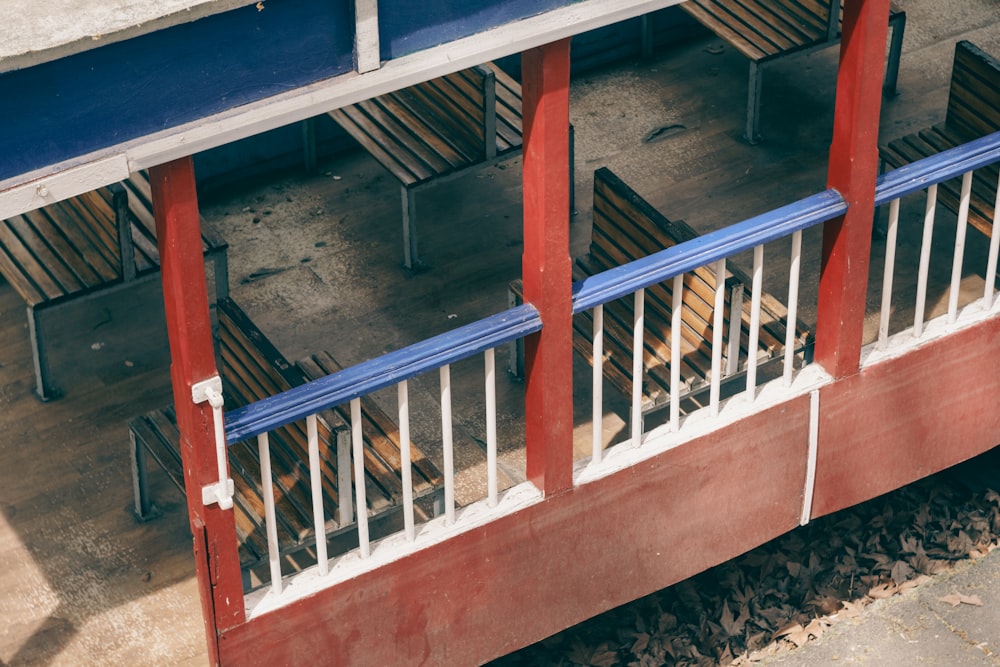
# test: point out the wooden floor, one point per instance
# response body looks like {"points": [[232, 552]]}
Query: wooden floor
{"points": [[316, 260]]}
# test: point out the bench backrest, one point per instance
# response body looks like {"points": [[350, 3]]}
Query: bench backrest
{"points": [[974, 96], [252, 369], [465, 105], [627, 228]]}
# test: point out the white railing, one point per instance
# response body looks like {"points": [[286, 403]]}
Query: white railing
{"points": [[350, 387], [728, 364], [926, 176]]}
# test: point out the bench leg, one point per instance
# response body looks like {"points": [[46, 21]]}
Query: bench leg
{"points": [[898, 26], [735, 333], [144, 509], [44, 388], [646, 30], [410, 257], [345, 492], [221, 265], [309, 145], [752, 131]]}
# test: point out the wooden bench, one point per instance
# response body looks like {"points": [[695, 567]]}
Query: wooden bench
{"points": [[252, 369], [82, 247], [973, 111], [767, 30], [626, 228], [436, 130]]}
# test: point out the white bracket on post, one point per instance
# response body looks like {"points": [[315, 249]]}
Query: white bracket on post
{"points": [[222, 491]]}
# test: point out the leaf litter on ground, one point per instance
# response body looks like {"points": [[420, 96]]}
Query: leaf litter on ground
{"points": [[787, 592]]}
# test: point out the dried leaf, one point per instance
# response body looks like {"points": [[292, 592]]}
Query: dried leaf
{"points": [[900, 572], [955, 599], [919, 580], [640, 644], [882, 591], [604, 658]]}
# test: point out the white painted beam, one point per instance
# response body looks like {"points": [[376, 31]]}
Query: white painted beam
{"points": [[367, 55]]}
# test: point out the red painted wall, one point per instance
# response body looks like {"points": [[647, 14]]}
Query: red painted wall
{"points": [[899, 421], [531, 574]]}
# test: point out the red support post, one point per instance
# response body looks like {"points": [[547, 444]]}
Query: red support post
{"points": [[547, 268], [853, 168], [189, 329]]}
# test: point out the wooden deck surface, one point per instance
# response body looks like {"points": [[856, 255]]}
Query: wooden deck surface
{"points": [[316, 260]]}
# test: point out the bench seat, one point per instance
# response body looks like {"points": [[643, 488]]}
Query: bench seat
{"points": [[82, 247], [436, 130], [767, 30], [626, 228], [973, 111], [252, 369]]}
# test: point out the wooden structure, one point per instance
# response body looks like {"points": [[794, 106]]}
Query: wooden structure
{"points": [[252, 369], [437, 129], [836, 436], [766, 31], [84, 247], [973, 111], [626, 228]]}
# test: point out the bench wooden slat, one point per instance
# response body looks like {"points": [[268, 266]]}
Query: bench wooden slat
{"points": [[422, 153], [88, 254], [24, 268], [973, 111], [48, 272], [12, 270]]}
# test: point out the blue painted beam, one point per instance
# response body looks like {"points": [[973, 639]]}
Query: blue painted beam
{"points": [[73, 106], [385, 371], [59, 111]]}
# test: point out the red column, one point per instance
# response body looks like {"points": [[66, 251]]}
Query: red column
{"points": [[852, 171], [547, 268], [189, 328]]}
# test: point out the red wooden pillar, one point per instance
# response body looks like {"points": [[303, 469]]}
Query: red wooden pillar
{"points": [[189, 328], [853, 168], [547, 268]]}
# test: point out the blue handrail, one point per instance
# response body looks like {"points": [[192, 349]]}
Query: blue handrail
{"points": [[509, 325], [703, 250], [947, 164], [381, 372]]}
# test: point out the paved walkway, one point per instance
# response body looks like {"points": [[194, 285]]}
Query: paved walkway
{"points": [[923, 626]]}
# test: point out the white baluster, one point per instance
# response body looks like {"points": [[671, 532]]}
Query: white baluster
{"points": [[956, 264], [991, 262], [887, 272], [597, 400], [638, 324], [361, 500], [316, 482], [754, 342], [267, 484], [491, 427], [793, 306], [448, 445], [676, 322], [925, 260], [406, 469], [718, 323]]}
